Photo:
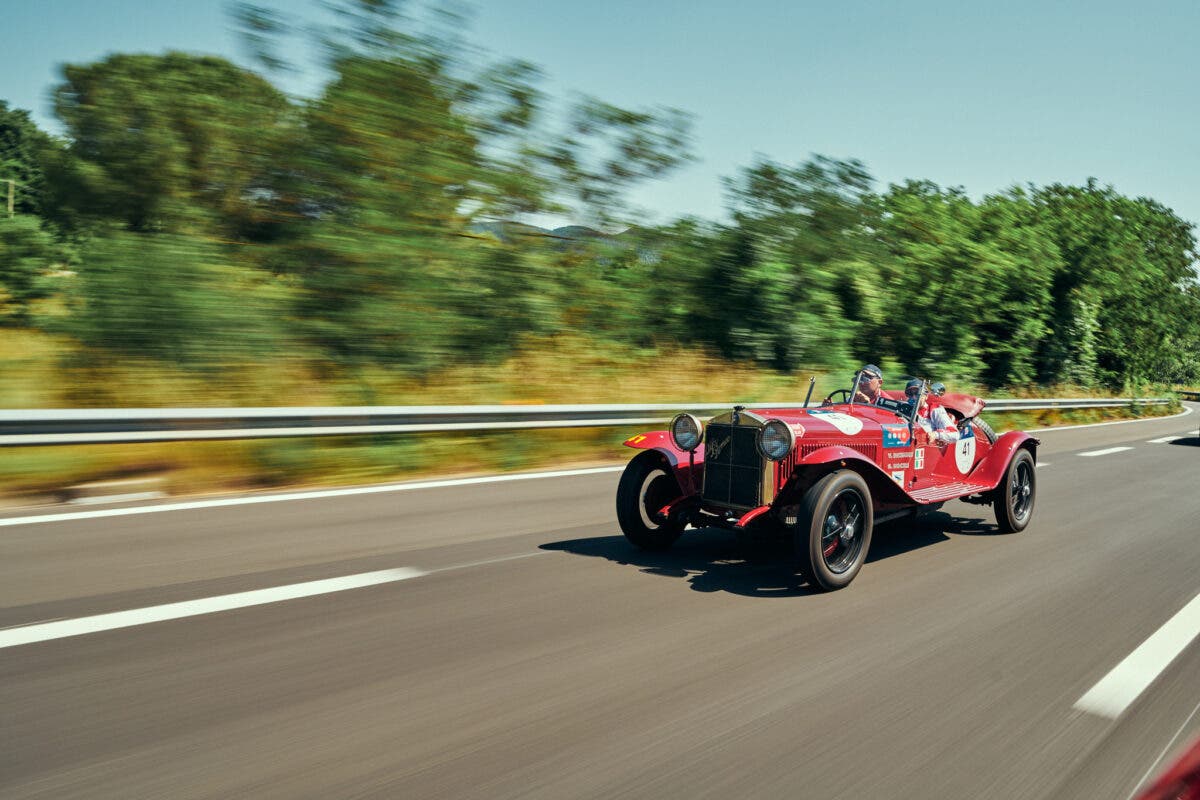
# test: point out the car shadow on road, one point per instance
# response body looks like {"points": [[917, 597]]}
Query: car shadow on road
{"points": [[716, 560], [939, 523], [1187, 441]]}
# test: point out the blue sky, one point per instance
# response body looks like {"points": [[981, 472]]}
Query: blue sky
{"points": [[981, 96]]}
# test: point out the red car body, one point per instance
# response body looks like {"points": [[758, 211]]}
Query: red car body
{"points": [[1179, 781]]}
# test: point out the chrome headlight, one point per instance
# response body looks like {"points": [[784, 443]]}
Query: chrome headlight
{"points": [[776, 439], [686, 432]]}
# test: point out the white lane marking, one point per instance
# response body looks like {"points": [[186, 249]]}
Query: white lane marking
{"points": [[1043, 464], [1127, 680], [46, 631], [499, 560], [1106, 451], [279, 498], [1165, 750], [1163, 439], [1186, 410]]}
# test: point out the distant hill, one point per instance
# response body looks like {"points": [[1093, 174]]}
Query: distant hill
{"points": [[508, 231], [565, 237]]}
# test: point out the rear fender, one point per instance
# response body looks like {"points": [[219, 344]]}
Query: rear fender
{"points": [[821, 462], [990, 470], [688, 470]]}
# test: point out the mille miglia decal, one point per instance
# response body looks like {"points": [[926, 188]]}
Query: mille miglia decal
{"points": [[896, 436]]}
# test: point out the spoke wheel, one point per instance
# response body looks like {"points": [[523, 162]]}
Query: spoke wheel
{"points": [[841, 534], [1015, 497], [833, 534]]}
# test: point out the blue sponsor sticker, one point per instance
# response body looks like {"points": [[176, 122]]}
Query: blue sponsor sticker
{"points": [[896, 436]]}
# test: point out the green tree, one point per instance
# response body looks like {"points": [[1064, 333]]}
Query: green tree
{"points": [[169, 297], [167, 142], [1123, 287], [804, 251], [24, 150], [27, 254]]}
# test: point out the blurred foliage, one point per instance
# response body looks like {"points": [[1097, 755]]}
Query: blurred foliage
{"points": [[367, 242], [28, 255], [24, 153], [169, 298], [168, 143]]}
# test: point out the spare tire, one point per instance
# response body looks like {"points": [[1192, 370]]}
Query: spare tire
{"points": [[986, 430]]}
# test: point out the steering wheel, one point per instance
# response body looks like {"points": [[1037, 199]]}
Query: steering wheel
{"points": [[843, 393]]}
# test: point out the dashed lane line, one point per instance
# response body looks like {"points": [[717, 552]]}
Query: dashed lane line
{"points": [[1163, 439], [1117, 690], [47, 630], [1105, 452]]}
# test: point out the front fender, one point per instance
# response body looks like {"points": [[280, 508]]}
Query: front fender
{"points": [[688, 469], [990, 470], [883, 488]]}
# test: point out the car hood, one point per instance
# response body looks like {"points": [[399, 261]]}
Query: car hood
{"points": [[835, 422]]}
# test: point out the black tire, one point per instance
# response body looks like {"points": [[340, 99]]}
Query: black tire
{"points": [[1014, 499], [986, 430], [833, 532], [647, 485]]}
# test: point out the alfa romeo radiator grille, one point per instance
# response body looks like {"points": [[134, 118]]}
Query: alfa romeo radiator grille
{"points": [[733, 467]]}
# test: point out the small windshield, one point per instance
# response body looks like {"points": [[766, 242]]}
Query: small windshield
{"points": [[864, 390]]}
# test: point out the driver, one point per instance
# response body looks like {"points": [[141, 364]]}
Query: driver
{"points": [[870, 384], [930, 415]]}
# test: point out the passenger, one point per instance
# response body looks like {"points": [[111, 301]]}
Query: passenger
{"points": [[936, 420], [870, 384]]}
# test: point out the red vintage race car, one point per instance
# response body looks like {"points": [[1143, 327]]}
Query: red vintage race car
{"points": [[825, 476]]}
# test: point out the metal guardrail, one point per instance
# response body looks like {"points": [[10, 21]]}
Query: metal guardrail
{"points": [[30, 427]]}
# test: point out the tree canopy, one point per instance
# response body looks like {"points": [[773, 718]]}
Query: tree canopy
{"points": [[207, 216]]}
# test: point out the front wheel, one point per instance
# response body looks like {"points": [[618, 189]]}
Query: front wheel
{"points": [[646, 486], [1014, 498], [833, 533]]}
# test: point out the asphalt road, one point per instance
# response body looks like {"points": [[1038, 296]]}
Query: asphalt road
{"points": [[529, 652]]}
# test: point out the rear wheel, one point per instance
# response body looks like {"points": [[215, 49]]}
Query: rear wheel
{"points": [[833, 532], [646, 486], [1013, 503]]}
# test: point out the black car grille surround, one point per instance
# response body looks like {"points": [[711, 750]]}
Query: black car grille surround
{"points": [[733, 467]]}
